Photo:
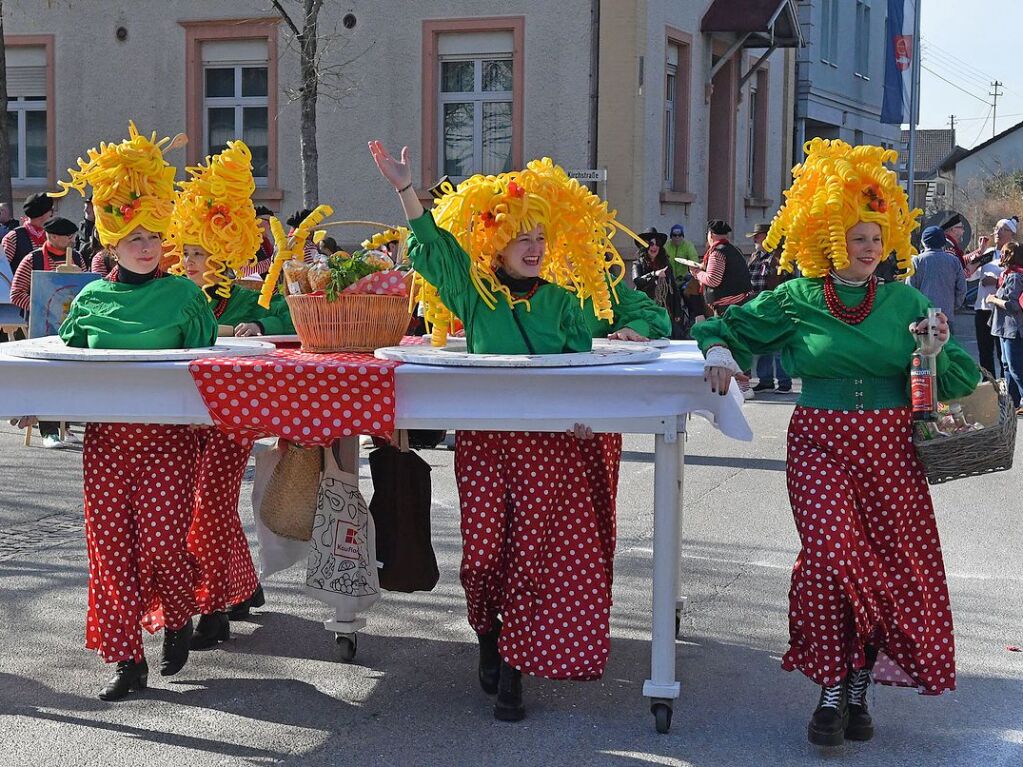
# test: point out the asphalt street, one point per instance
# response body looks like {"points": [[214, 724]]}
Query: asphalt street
{"points": [[276, 694]]}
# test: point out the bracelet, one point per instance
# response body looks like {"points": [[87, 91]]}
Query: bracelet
{"points": [[405, 188]]}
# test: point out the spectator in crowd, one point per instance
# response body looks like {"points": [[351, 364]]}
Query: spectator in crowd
{"points": [[86, 230], [23, 239], [679, 247], [724, 274], [1004, 233], [1007, 318], [265, 255], [328, 246], [652, 274], [989, 348], [954, 229], [293, 222], [102, 260], [939, 275], [763, 272], [7, 219]]}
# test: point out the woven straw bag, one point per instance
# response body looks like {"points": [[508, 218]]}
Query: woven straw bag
{"points": [[289, 502], [975, 452]]}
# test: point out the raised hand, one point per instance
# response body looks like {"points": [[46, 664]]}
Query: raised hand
{"points": [[398, 172]]}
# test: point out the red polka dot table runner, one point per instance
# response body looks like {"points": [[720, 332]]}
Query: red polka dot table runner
{"points": [[310, 399]]}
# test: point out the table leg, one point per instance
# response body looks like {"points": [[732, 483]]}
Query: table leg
{"points": [[661, 687], [680, 600]]}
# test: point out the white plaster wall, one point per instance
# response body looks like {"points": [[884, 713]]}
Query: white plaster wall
{"points": [[1002, 156]]}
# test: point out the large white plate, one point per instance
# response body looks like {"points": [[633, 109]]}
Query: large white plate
{"points": [[458, 343], [52, 348], [606, 353]]}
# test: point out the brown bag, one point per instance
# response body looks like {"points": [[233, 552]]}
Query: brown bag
{"points": [[401, 514], [289, 501]]}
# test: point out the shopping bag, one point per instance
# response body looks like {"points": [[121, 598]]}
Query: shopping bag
{"points": [[289, 499], [342, 565], [401, 513], [276, 552]]}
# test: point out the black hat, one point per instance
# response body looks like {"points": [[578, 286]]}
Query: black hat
{"points": [[262, 210], [442, 187], [652, 235], [298, 217], [60, 225], [759, 229], [718, 227], [951, 221], [37, 204]]}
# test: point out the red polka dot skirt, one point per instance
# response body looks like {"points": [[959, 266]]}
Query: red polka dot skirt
{"points": [[216, 540], [538, 539], [870, 570], [138, 490]]}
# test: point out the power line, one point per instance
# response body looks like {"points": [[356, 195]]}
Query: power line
{"points": [[954, 85], [983, 117], [951, 70], [966, 66], [982, 127]]}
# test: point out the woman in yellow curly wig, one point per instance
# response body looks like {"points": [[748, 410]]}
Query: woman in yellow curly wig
{"points": [[869, 581], [515, 257], [215, 234], [138, 477]]}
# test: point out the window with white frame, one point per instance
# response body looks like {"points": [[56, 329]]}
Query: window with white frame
{"points": [[236, 99], [863, 38], [475, 103], [26, 114], [829, 32], [670, 103]]}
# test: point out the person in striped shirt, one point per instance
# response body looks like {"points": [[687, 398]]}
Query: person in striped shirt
{"points": [[22, 240], [59, 233]]}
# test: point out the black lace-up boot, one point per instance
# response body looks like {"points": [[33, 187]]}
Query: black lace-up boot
{"points": [[175, 649], [130, 675], [508, 707], [827, 725]]}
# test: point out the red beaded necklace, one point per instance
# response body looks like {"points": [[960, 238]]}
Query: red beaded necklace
{"points": [[850, 315], [530, 294], [220, 308]]}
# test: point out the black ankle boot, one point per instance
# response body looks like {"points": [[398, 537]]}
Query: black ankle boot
{"points": [[827, 725], [211, 631], [175, 649], [241, 610], [860, 725], [490, 660], [508, 707], [130, 675]]}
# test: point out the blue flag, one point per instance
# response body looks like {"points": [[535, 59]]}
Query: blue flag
{"points": [[898, 63]]}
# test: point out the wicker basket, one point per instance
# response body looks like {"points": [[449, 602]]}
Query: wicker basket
{"points": [[975, 452], [351, 323]]}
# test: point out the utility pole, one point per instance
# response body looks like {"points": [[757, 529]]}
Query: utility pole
{"points": [[994, 105], [952, 122]]}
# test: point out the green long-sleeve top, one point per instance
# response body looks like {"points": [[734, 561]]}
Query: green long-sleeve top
{"points": [[793, 319], [553, 323], [243, 306], [165, 313], [634, 309], [684, 249]]}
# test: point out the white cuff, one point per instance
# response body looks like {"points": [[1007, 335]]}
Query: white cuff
{"points": [[720, 357]]}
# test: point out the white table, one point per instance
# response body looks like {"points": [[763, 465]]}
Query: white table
{"points": [[650, 398]]}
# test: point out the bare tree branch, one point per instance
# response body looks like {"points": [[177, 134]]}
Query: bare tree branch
{"points": [[286, 17]]}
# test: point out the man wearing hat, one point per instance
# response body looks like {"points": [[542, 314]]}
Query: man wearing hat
{"points": [[939, 274], [954, 229], [59, 233], [724, 274], [763, 273], [22, 240]]}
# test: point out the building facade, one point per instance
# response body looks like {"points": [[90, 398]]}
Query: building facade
{"points": [[637, 87], [840, 73]]}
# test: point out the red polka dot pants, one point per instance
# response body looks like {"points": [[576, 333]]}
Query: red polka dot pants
{"points": [[538, 538], [870, 570], [216, 539], [138, 489]]}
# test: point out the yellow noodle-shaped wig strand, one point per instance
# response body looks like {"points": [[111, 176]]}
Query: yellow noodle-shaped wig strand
{"points": [[132, 185], [836, 187]]}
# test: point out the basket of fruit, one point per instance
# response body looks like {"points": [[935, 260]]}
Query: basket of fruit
{"points": [[975, 435]]}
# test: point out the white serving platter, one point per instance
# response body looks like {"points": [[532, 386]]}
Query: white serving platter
{"points": [[53, 348], [458, 343], [606, 353]]}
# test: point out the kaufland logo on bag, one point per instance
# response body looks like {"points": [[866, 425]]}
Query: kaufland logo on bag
{"points": [[903, 52], [346, 541]]}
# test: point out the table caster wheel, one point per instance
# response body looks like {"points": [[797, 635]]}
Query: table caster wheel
{"points": [[347, 644], [678, 622], [661, 709]]}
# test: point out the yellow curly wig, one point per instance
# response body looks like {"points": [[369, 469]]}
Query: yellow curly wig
{"points": [[132, 185], [485, 213], [214, 210], [835, 188]]}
